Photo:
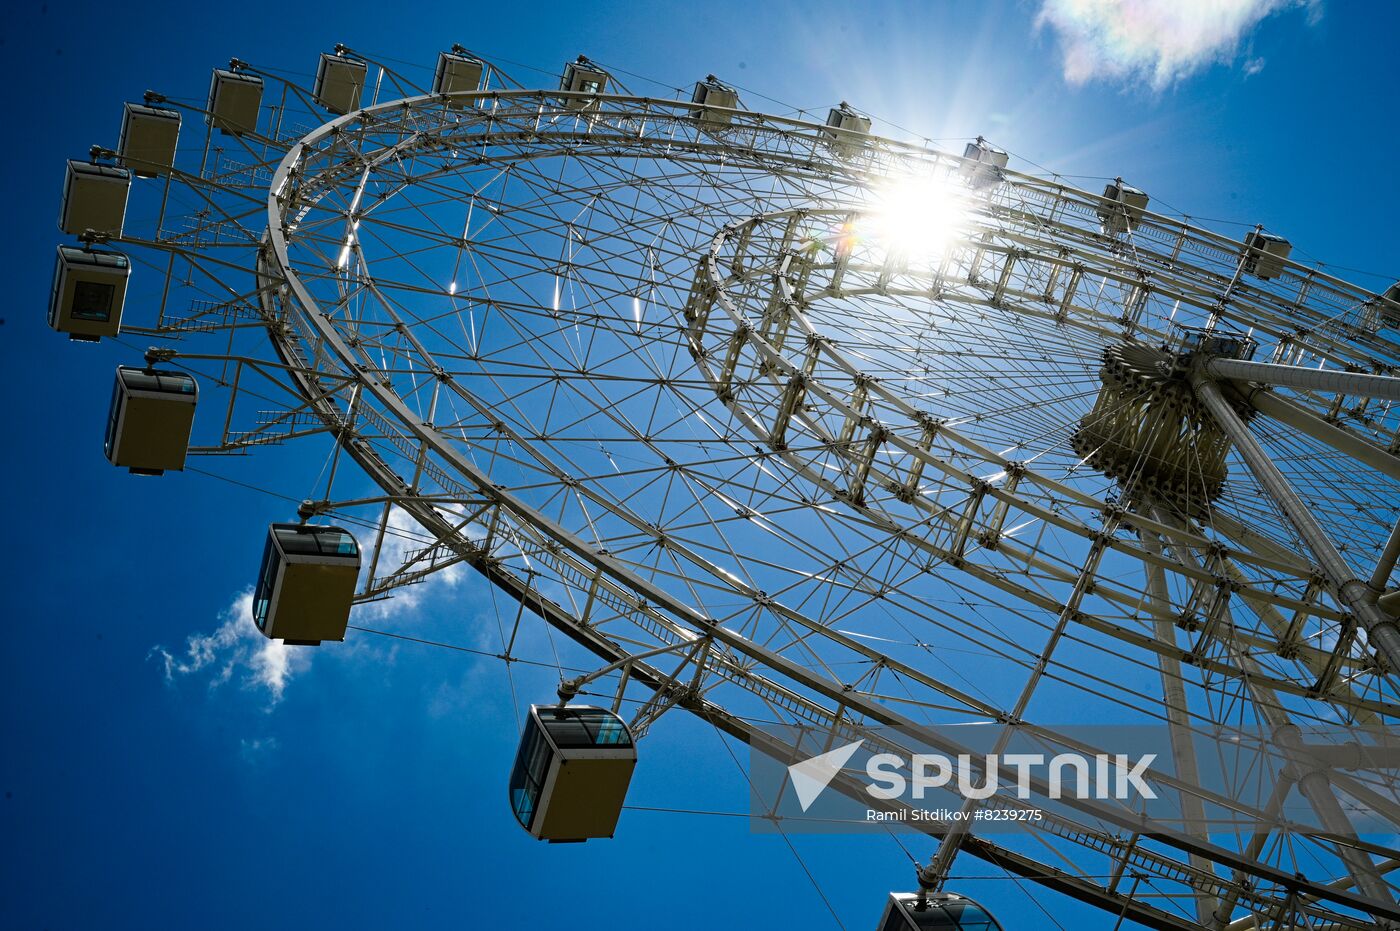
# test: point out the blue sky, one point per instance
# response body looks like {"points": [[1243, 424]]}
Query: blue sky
{"points": [[372, 792]]}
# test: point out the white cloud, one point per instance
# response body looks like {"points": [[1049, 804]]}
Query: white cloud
{"points": [[257, 749], [237, 650], [1156, 41], [402, 539]]}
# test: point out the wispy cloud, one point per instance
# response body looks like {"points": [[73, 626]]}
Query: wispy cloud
{"points": [[256, 750], [403, 540], [236, 651], [1158, 42]]}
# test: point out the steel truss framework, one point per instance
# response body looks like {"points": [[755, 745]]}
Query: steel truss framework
{"points": [[642, 372]]}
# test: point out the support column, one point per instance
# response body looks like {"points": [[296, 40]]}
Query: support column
{"points": [[1390, 553], [1178, 719], [1312, 782], [1351, 591], [1257, 841]]}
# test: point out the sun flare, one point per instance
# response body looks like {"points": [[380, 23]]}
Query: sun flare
{"points": [[917, 217]]}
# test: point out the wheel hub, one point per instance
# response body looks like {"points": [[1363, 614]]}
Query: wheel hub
{"points": [[1148, 430]]}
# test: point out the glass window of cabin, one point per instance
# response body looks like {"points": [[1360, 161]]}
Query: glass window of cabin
{"points": [[540, 756], [970, 917], [585, 727], [566, 731], [610, 732], [528, 775], [295, 541], [138, 380], [336, 543], [92, 300], [267, 582], [165, 382], [605, 728], [176, 383], [953, 916], [113, 415], [315, 541], [523, 798]]}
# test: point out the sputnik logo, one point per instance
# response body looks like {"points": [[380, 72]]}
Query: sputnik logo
{"points": [[811, 776]]}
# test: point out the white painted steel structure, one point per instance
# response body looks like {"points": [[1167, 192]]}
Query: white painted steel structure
{"points": [[645, 370]]}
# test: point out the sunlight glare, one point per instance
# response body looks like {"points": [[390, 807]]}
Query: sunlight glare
{"points": [[917, 217]]}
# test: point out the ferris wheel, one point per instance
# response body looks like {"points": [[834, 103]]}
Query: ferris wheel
{"points": [[787, 423]]}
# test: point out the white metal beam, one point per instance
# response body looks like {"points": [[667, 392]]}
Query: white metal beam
{"points": [[1292, 376], [1351, 591]]}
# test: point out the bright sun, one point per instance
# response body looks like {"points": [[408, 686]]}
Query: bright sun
{"points": [[916, 218]]}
